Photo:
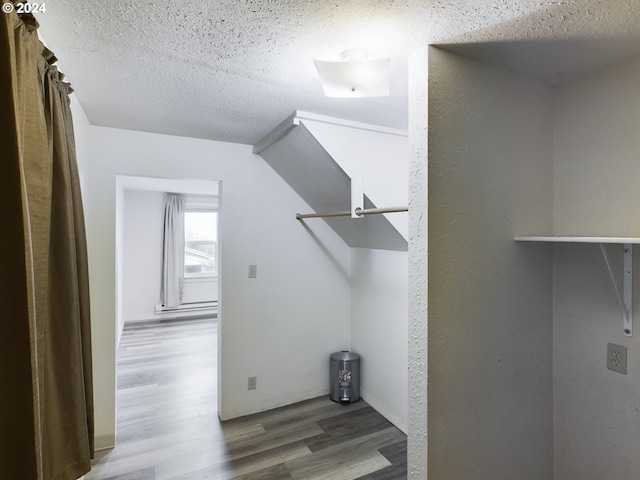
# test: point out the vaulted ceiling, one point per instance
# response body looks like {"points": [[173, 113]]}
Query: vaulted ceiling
{"points": [[232, 70]]}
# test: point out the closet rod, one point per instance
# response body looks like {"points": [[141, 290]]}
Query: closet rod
{"points": [[347, 213]]}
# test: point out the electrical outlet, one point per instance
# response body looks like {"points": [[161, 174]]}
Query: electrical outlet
{"points": [[252, 383], [617, 358]]}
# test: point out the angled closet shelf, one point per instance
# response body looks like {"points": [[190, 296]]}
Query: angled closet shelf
{"points": [[323, 159], [625, 295]]}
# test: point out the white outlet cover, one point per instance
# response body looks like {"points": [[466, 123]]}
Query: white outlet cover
{"points": [[617, 358]]}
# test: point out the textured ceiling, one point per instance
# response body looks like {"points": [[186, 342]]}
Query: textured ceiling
{"points": [[232, 70]]}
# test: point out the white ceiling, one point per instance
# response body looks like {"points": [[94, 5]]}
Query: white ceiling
{"points": [[232, 70]]}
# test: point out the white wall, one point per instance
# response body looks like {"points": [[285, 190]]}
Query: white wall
{"points": [[278, 326], [142, 251], [119, 259], [597, 192], [379, 329], [379, 295], [81, 128], [489, 299]]}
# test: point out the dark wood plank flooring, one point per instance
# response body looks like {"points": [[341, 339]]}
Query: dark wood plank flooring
{"points": [[168, 427]]}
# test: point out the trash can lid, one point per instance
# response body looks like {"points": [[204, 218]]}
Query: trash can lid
{"points": [[345, 356]]}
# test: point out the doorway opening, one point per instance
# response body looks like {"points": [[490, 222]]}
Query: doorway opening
{"points": [[139, 224]]}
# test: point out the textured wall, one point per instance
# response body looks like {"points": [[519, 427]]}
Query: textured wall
{"points": [[596, 411], [597, 424], [489, 299], [418, 381], [596, 151]]}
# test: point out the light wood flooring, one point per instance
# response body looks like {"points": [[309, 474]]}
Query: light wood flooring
{"points": [[168, 427]]}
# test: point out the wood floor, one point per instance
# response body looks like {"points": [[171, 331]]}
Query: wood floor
{"points": [[168, 427]]}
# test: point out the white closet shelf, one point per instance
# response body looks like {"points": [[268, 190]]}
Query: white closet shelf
{"points": [[625, 295], [561, 239]]}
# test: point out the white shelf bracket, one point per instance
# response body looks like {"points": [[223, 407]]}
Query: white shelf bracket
{"points": [[625, 297]]}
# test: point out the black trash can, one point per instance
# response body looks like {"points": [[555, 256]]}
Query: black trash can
{"points": [[345, 377]]}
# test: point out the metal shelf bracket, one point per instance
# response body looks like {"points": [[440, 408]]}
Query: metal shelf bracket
{"points": [[625, 296]]}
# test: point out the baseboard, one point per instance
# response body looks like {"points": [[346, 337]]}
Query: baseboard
{"points": [[186, 307], [382, 410], [276, 403], [229, 414], [204, 312]]}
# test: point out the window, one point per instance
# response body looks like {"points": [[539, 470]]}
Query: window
{"points": [[200, 243]]}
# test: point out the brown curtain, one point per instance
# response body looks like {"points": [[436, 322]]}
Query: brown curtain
{"points": [[46, 398]]}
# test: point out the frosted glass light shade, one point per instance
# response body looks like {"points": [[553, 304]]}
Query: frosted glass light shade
{"points": [[361, 78]]}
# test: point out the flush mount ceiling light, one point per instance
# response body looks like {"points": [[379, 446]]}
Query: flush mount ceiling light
{"points": [[355, 75]]}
